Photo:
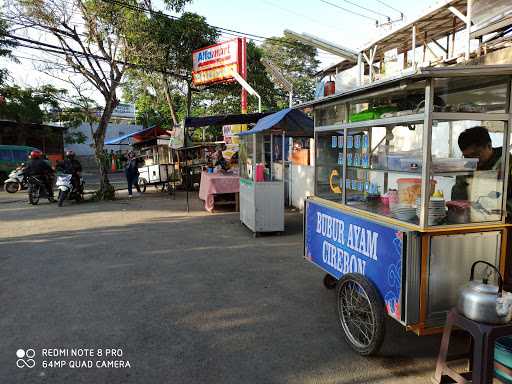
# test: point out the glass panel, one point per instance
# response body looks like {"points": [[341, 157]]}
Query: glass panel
{"points": [[379, 178], [486, 94], [278, 169], [163, 154], [329, 168], [405, 99], [245, 157], [329, 115], [467, 170]]}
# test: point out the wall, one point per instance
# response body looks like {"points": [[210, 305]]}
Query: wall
{"points": [[113, 131], [303, 184]]}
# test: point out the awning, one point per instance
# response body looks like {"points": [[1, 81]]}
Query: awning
{"points": [[245, 118], [292, 121], [144, 134]]}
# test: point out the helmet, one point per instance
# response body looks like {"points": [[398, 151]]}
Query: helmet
{"points": [[36, 154], [70, 154]]}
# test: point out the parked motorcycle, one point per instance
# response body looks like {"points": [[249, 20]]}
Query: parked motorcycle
{"points": [[16, 181], [67, 190], [36, 189]]}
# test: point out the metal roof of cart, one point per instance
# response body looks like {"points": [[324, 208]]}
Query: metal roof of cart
{"points": [[418, 74]]}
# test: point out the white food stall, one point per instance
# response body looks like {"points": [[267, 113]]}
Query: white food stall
{"points": [[263, 168]]}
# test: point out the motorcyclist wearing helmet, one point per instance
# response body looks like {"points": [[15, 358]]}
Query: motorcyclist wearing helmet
{"points": [[71, 166], [38, 166]]}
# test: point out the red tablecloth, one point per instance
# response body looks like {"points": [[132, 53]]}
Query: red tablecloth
{"points": [[216, 183]]}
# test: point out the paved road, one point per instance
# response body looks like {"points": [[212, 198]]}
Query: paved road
{"points": [[189, 298]]}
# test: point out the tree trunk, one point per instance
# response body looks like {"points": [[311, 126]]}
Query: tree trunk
{"points": [[168, 97], [189, 98], [106, 191]]}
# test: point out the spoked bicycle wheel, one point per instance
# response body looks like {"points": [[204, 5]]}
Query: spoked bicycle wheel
{"points": [[361, 314]]}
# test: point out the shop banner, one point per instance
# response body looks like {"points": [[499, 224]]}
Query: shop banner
{"points": [[217, 62], [340, 243]]}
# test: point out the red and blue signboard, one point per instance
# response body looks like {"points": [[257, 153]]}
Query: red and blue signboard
{"points": [[216, 63], [340, 243]]}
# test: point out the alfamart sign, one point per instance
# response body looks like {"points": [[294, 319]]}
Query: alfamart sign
{"points": [[214, 64]]}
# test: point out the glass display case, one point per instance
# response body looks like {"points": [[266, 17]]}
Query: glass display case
{"points": [[429, 152], [411, 189]]}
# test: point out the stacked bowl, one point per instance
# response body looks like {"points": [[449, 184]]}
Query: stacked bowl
{"points": [[436, 210], [404, 212]]}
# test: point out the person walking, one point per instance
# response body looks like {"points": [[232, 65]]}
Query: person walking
{"points": [[131, 171]]}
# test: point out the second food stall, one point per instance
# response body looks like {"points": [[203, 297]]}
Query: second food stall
{"points": [[263, 168], [388, 222]]}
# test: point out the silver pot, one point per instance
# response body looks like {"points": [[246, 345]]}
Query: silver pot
{"points": [[484, 302]]}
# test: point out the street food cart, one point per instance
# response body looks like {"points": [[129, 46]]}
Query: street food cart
{"points": [[263, 168], [157, 168], [385, 223]]}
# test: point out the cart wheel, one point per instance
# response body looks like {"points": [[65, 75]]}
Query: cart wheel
{"points": [[142, 185], [330, 282], [165, 187], [361, 313]]}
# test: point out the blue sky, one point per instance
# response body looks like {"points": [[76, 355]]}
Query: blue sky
{"points": [[271, 17]]}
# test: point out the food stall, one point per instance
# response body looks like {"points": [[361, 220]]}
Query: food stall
{"points": [[151, 146], [263, 168], [388, 223], [157, 167], [189, 162]]}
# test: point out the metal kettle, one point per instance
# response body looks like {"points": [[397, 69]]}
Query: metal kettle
{"points": [[484, 302]]}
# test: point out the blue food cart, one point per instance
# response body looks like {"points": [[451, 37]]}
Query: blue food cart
{"points": [[400, 213]]}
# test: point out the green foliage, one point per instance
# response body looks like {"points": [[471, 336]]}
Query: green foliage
{"points": [[166, 45], [42, 105], [5, 47], [178, 38], [297, 62], [176, 5], [29, 105], [210, 134]]}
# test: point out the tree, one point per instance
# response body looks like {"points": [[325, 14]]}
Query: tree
{"points": [[38, 106], [29, 105], [6, 45], [100, 50], [168, 44], [298, 63], [216, 99]]}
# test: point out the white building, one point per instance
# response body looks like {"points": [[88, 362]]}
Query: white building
{"points": [[121, 123]]}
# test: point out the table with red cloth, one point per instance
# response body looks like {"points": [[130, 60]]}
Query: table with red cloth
{"points": [[217, 183]]}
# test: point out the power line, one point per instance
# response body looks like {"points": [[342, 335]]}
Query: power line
{"points": [[45, 47], [348, 10], [367, 9], [389, 6], [219, 29], [311, 19], [40, 60]]}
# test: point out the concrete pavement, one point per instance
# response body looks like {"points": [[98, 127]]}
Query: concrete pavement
{"points": [[188, 298]]}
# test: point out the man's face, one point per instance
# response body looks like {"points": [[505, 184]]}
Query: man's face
{"points": [[483, 153]]}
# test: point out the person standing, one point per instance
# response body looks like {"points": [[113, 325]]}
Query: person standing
{"points": [[131, 171]]}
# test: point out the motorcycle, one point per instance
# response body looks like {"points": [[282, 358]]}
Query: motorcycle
{"points": [[16, 181], [36, 189], [67, 190]]}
